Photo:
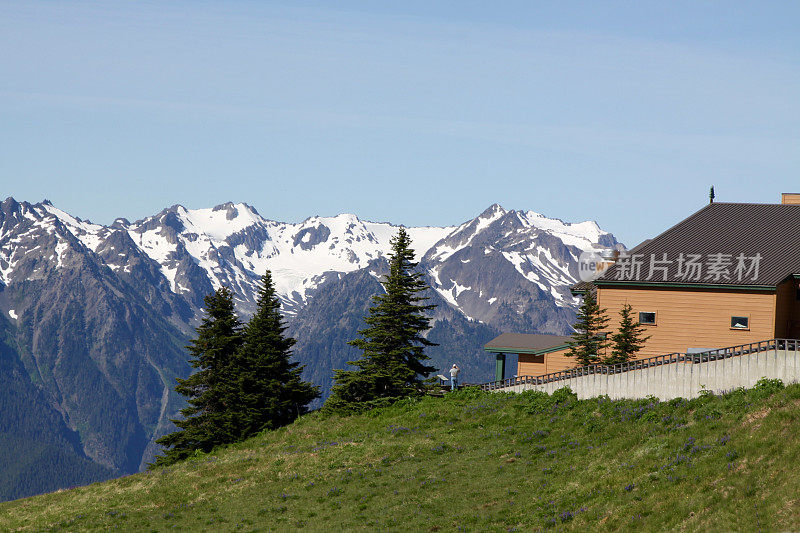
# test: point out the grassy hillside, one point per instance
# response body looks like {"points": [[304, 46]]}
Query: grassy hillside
{"points": [[474, 462]]}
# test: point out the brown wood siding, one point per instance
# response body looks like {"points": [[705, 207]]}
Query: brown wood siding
{"points": [[557, 361], [693, 318], [528, 365]]}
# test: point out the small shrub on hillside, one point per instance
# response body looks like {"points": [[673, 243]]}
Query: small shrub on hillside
{"points": [[564, 395], [769, 385], [541, 402]]}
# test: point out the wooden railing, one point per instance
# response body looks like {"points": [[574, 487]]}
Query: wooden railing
{"points": [[639, 364]]}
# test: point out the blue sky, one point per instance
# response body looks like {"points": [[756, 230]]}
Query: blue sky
{"points": [[414, 112]]}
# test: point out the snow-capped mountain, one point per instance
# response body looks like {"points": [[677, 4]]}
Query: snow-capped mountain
{"points": [[88, 353], [198, 250], [95, 318], [189, 252], [505, 264], [233, 245]]}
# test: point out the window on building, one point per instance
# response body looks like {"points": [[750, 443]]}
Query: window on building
{"points": [[740, 322], [647, 317]]}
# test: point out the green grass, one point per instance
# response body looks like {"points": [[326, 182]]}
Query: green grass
{"points": [[474, 462]]}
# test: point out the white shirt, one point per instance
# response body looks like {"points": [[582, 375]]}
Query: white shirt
{"points": [[453, 372]]}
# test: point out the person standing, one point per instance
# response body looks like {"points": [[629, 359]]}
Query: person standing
{"points": [[454, 377]]}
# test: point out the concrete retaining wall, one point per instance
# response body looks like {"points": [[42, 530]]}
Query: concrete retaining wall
{"points": [[683, 379]]}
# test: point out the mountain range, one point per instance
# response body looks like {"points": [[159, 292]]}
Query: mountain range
{"points": [[94, 318]]}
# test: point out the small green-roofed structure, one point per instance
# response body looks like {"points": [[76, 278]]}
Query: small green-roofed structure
{"points": [[522, 343]]}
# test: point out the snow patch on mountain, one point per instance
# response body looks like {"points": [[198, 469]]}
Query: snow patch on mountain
{"points": [[91, 235], [61, 248], [220, 222], [423, 238], [6, 266], [578, 234]]}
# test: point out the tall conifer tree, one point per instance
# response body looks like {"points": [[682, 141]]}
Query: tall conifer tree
{"points": [[588, 342], [271, 391], [209, 419], [393, 360], [628, 339]]}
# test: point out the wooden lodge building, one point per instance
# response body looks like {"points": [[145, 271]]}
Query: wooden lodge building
{"points": [[729, 274]]}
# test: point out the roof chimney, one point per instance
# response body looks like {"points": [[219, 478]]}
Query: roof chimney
{"points": [[790, 198]]}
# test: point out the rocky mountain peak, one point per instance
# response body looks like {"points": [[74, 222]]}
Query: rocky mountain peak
{"points": [[493, 211]]}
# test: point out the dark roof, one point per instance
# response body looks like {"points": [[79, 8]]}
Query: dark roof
{"points": [[581, 286], [734, 237], [525, 343], [639, 246]]}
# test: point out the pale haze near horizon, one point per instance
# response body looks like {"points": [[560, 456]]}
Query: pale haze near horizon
{"points": [[420, 114]]}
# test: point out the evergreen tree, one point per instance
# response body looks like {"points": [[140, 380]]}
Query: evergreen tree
{"points": [[711, 195], [209, 419], [588, 341], [393, 360], [628, 339], [271, 391]]}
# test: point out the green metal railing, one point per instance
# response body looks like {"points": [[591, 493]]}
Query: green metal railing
{"points": [[639, 364]]}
